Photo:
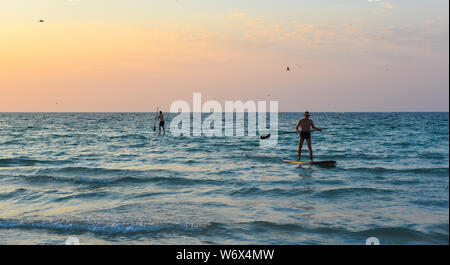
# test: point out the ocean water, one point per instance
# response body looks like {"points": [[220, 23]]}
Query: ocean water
{"points": [[95, 177]]}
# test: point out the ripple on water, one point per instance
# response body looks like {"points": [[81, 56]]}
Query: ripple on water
{"points": [[95, 176]]}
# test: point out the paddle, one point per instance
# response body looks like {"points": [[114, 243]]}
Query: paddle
{"points": [[154, 125], [268, 135]]}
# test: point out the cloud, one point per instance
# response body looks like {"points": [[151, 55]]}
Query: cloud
{"points": [[384, 9], [238, 15], [387, 5]]}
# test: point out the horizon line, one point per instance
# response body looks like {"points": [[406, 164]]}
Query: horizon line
{"points": [[32, 112]]}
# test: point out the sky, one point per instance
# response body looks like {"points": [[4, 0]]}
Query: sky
{"points": [[137, 55]]}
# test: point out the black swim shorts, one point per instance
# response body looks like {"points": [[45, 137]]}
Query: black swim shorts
{"points": [[305, 135], [161, 123]]}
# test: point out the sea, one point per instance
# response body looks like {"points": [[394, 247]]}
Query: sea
{"points": [[96, 177]]}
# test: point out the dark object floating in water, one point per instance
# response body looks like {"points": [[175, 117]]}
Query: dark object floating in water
{"points": [[265, 136], [41, 21]]}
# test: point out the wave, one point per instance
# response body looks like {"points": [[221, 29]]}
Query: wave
{"points": [[89, 171], [150, 194], [386, 235], [119, 180], [353, 191], [433, 170], [20, 162], [401, 182], [12, 194], [432, 203], [262, 158], [328, 193], [433, 155], [404, 235], [99, 228], [11, 142], [271, 226], [84, 195], [254, 191], [79, 180], [93, 170]]}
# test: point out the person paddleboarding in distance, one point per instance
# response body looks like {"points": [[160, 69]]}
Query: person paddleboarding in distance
{"points": [[305, 134], [160, 117]]}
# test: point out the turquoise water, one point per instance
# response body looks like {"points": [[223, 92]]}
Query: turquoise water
{"points": [[94, 176]]}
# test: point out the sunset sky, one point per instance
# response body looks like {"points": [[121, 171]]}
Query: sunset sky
{"points": [[135, 55]]}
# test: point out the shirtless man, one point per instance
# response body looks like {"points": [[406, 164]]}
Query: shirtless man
{"points": [[160, 117], [305, 133]]}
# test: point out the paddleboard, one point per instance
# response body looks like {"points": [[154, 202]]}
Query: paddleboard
{"points": [[143, 132], [322, 163]]}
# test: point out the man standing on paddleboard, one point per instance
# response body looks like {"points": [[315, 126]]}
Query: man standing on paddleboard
{"points": [[305, 133], [160, 117]]}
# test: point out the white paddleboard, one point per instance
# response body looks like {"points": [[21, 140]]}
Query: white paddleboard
{"points": [[145, 132]]}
